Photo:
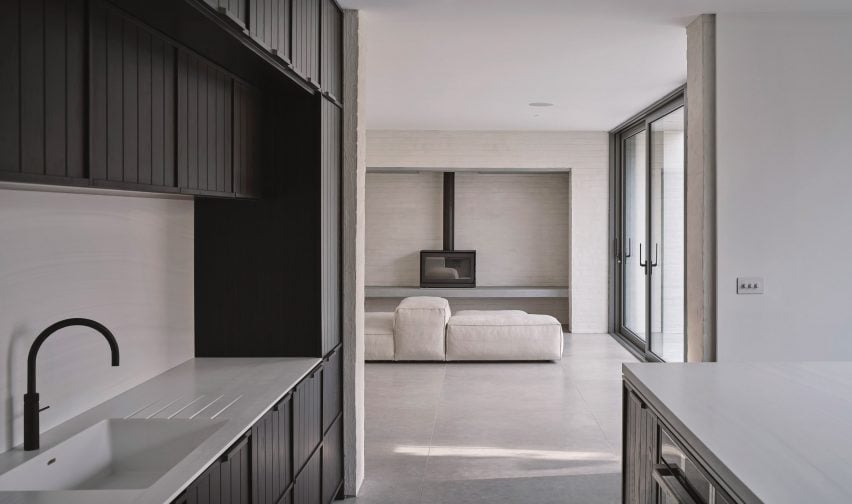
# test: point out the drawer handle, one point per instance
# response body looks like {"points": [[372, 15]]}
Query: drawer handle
{"points": [[235, 449], [671, 485]]}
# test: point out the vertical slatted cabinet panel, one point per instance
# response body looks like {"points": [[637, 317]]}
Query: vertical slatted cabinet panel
{"points": [[43, 89], [306, 30], [247, 139], [331, 61], [235, 10], [264, 454], [640, 447], [204, 126], [281, 39], [133, 103], [307, 418], [330, 175], [207, 488], [308, 486], [332, 404], [235, 474], [284, 447], [332, 461]]}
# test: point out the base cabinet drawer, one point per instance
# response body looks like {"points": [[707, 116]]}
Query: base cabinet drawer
{"points": [[332, 461], [307, 418], [308, 486], [332, 404], [227, 481]]}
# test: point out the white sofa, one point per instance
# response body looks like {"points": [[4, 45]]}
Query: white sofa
{"points": [[419, 328], [423, 328], [378, 336], [503, 335]]}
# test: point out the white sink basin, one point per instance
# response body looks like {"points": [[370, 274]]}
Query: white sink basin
{"points": [[113, 454]]}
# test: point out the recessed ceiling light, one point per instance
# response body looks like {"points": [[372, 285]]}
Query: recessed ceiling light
{"points": [[540, 104]]}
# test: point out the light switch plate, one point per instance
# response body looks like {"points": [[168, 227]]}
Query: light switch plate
{"points": [[750, 285]]}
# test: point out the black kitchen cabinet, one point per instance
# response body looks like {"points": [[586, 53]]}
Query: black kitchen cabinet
{"points": [[271, 454], [133, 114], [235, 473], [332, 404], [331, 59], [308, 486], [307, 418], [270, 25], [235, 10], [640, 450], [226, 481], [330, 234], [306, 39], [204, 124], [43, 91], [248, 140], [657, 467], [332, 461]]}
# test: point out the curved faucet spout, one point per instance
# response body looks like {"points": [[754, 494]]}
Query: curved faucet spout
{"points": [[31, 406]]}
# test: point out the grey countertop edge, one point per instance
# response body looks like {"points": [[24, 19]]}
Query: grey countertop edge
{"points": [[718, 470], [178, 478]]}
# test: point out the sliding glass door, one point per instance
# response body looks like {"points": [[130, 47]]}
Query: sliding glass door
{"points": [[635, 229], [649, 232]]}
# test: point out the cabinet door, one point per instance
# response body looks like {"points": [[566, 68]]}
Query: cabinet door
{"points": [[640, 447], [43, 91], [284, 468], [330, 174], [204, 106], [307, 489], [271, 454], [235, 472], [332, 461], [247, 140], [133, 115], [206, 489], [306, 36], [331, 388], [235, 10], [307, 418], [331, 71]]}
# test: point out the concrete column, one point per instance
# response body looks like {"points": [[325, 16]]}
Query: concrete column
{"points": [[354, 176], [701, 190]]}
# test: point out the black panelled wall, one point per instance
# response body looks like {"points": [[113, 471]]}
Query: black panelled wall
{"points": [[236, 103]]}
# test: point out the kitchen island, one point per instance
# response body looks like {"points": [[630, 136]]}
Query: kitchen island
{"points": [[738, 432]]}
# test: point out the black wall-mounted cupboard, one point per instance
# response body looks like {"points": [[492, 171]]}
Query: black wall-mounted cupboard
{"points": [[138, 95]]}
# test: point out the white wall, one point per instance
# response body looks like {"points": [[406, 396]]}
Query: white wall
{"points": [[126, 262], [784, 104], [585, 153]]}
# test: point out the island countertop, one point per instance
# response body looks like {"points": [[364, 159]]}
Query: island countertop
{"points": [[775, 432], [237, 391]]}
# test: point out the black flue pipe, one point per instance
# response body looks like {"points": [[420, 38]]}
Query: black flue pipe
{"points": [[449, 209]]}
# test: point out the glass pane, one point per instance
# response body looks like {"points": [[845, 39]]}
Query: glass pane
{"points": [[635, 218], [667, 236]]}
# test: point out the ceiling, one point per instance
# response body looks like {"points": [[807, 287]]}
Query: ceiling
{"points": [[477, 64]]}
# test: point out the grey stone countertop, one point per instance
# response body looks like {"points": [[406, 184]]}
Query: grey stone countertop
{"points": [[776, 432], [234, 391]]}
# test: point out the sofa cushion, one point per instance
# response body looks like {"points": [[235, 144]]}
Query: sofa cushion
{"points": [[378, 336], [503, 335], [420, 327]]}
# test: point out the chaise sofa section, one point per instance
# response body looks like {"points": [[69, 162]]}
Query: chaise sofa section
{"points": [[424, 329]]}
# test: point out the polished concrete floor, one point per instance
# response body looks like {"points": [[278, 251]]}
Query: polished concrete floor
{"points": [[497, 432]]}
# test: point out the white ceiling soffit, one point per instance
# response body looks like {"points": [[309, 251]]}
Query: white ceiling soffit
{"points": [[477, 64]]}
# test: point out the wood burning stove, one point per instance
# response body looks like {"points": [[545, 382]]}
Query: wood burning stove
{"points": [[447, 268]]}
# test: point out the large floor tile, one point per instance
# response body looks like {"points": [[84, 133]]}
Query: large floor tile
{"points": [[497, 432]]}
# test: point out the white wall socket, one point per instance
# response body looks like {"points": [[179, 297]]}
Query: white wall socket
{"points": [[750, 285]]}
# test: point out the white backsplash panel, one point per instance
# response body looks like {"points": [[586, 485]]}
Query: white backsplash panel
{"points": [[126, 262]]}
